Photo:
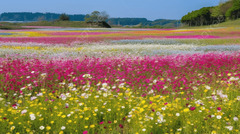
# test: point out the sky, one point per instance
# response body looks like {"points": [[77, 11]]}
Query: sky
{"points": [[150, 9]]}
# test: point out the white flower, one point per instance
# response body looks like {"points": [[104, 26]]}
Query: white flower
{"points": [[63, 127], [154, 81], [43, 74], [28, 77], [219, 116], [39, 94], [41, 127], [105, 95], [144, 130], [123, 107], [180, 129], [63, 96], [96, 110], [235, 118], [104, 85], [32, 72], [177, 114], [109, 110], [207, 87], [1, 99], [70, 85], [24, 111], [121, 85], [68, 94], [163, 108], [74, 89], [32, 116], [158, 113], [33, 98], [230, 128]]}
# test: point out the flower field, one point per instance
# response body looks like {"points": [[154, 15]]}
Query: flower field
{"points": [[136, 81]]}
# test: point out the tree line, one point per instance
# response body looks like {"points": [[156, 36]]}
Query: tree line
{"points": [[228, 10]]}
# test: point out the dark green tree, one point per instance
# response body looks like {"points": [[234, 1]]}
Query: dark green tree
{"points": [[64, 17], [234, 11], [96, 17]]}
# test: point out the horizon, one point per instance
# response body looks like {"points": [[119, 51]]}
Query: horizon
{"points": [[151, 10]]}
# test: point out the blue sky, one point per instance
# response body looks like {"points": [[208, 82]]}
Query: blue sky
{"points": [[150, 9]]}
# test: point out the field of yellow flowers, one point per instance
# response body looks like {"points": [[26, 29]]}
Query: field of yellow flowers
{"points": [[128, 81]]}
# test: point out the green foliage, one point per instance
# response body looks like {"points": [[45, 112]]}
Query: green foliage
{"points": [[213, 15], [234, 11], [28, 16], [64, 17], [96, 17], [143, 22], [198, 17]]}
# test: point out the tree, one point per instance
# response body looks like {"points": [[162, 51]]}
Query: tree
{"points": [[96, 17], [234, 11], [64, 17]]}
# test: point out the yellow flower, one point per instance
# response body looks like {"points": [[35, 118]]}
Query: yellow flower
{"points": [[63, 116], [92, 126], [28, 130], [52, 122], [12, 128], [186, 110], [69, 121], [48, 127], [86, 118], [10, 123], [214, 132], [85, 126]]}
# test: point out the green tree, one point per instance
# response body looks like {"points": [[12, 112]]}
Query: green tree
{"points": [[234, 11], [96, 17], [64, 17]]}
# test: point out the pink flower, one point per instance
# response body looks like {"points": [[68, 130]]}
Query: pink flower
{"points": [[109, 122], [101, 123], [85, 132], [120, 125], [218, 108], [192, 108]]}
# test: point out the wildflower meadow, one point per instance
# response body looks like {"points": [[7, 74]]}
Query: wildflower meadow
{"points": [[130, 81]]}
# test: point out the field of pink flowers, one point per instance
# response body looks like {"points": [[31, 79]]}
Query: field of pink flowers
{"points": [[49, 85]]}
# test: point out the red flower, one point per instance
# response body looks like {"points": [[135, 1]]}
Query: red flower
{"points": [[218, 108], [109, 122], [85, 132], [120, 125], [192, 108]]}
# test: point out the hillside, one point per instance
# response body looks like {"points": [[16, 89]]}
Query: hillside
{"points": [[28, 16], [33, 17], [225, 11]]}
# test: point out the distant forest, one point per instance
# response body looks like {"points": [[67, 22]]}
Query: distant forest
{"points": [[228, 10], [28, 16], [143, 22]]}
